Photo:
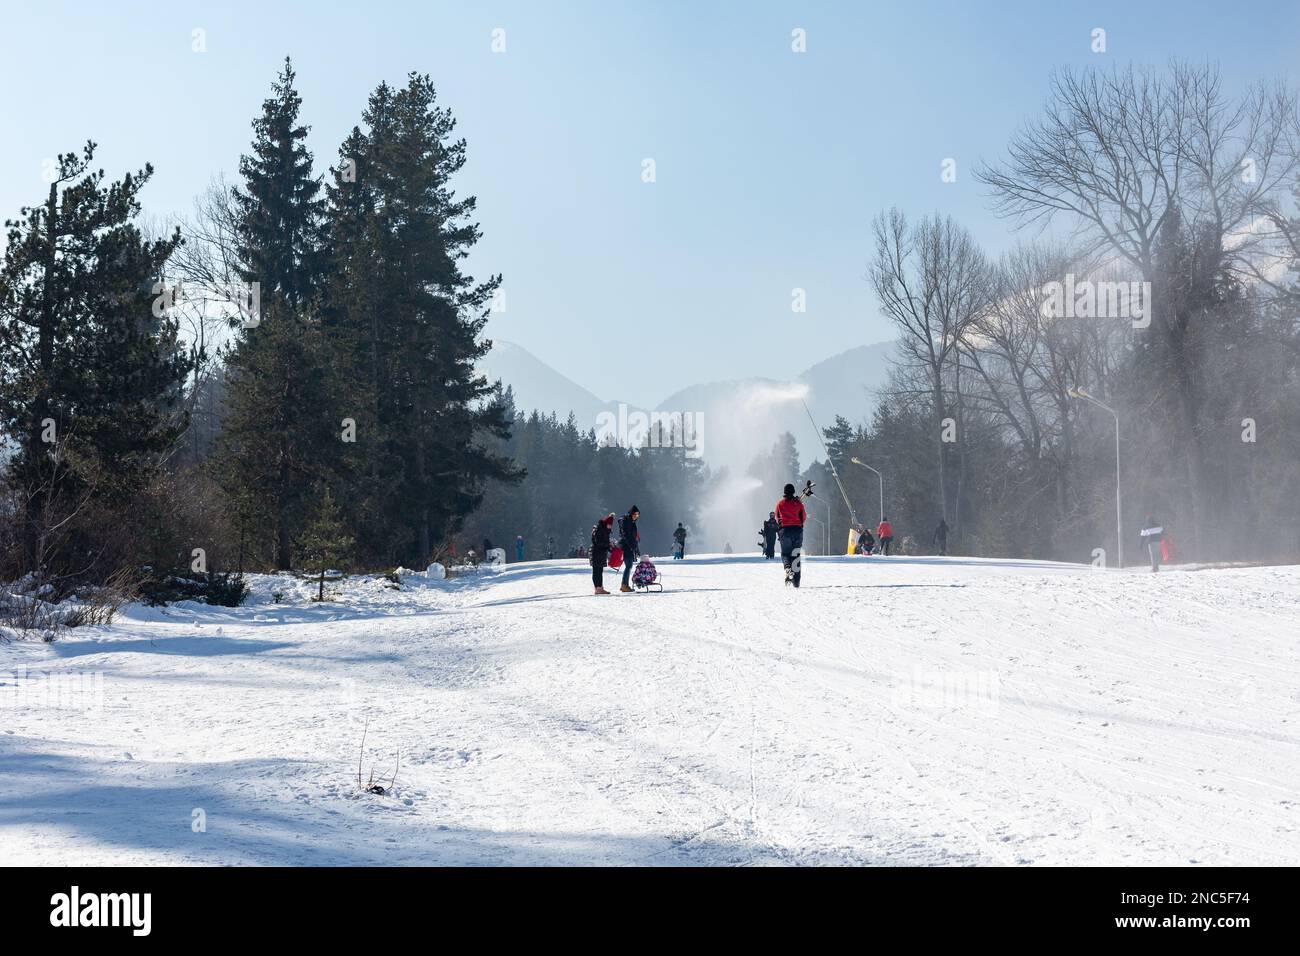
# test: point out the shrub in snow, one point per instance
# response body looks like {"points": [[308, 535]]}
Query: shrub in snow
{"points": [[226, 590]]}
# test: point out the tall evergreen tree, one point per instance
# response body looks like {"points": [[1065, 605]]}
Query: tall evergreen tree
{"points": [[398, 236], [90, 371], [281, 433], [279, 207]]}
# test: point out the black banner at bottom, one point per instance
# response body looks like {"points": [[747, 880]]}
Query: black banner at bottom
{"points": [[1221, 907]]}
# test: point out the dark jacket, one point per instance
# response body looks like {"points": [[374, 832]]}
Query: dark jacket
{"points": [[628, 536], [770, 528], [679, 535], [941, 532], [599, 544]]}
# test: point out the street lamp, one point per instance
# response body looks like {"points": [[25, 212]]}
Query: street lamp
{"points": [[1119, 514], [826, 525], [859, 461]]}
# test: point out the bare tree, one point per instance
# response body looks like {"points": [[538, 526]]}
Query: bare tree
{"points": [[932, 282], [1137, 160]]}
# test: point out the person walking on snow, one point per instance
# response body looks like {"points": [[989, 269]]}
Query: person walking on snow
{"points": [[770, 528], [600, 551], [629, 540], [519, 547], [885, 532], [940, 539], [679, 536], [1151, 536], [790, 516]]}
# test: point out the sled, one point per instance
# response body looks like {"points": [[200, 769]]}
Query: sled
{"points": [[615, 558]]}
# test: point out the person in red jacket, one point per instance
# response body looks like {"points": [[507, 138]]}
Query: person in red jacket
{"points": [[885, 532], [790, 515]]}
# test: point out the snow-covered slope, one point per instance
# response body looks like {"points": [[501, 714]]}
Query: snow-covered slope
{"points": [[893, 711]]}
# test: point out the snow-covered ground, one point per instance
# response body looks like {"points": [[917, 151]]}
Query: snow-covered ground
{"points": [[893, 711]]}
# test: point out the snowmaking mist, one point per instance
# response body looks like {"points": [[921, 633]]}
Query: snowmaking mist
{"points": [[741, 428]]}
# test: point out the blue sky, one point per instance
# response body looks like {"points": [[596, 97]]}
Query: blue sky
{"points": [[770, 164]]}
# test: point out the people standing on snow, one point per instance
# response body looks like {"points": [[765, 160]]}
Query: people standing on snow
{"points": [[790, 516], [550, 547], [726, 548], [866, 543], [1151, 536], [885, 532], [600, 551], [679, 536], [629, 541], [519, 547], [770, 528], [940, 539]]}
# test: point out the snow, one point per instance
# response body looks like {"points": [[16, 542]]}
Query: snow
{"points": [[892, 711]]}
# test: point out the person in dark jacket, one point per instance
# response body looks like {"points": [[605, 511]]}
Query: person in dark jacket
{"points": [[866, 543], [940, 539], [679, 536], [629, 540], [770, 528], [600, 551], [790, 515], [1151, 535]]}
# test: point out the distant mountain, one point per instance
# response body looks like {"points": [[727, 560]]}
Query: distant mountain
{"points": [[538, 386], [741, 417]]}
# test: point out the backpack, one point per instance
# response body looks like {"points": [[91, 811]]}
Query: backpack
{"points": [[622, 528]]}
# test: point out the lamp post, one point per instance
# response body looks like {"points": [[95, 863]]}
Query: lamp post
{"points": [[859, 461], [1119, 514], [826, 525]]}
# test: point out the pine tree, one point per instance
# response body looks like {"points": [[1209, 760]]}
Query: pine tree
{"points": [[280, 433], [325, 543], [403, 306], [280, 244], [90, 368]]}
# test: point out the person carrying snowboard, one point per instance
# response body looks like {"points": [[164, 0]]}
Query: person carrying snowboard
{"points": [[1151, 537], [940, 539], [790, 516], [770, 528], [600, 551], [629, 541], [885, 532], [679, 537]]}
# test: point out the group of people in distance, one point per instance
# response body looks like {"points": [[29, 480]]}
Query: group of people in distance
{"points": [[784, 523]]}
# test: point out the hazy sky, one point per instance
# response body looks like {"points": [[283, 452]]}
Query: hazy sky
{"points": [[769, 164]]}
